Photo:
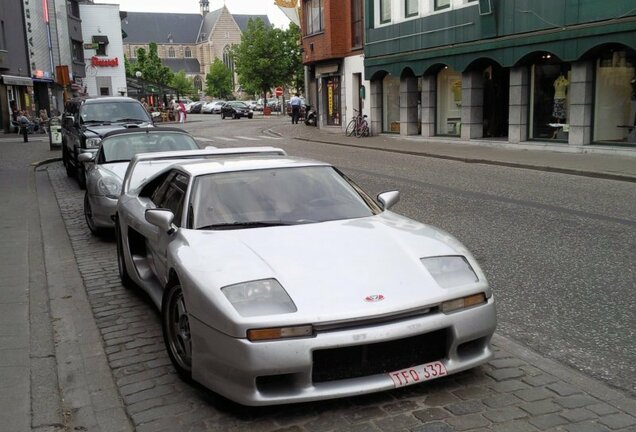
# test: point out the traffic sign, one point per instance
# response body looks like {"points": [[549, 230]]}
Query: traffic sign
{"points": [[278, 91]]}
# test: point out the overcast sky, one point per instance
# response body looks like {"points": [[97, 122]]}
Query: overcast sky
{"points": [[239, 7]]}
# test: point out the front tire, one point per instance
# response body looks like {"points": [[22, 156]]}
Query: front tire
{"points": [[88, 215], [175, 324], [222, 116]]}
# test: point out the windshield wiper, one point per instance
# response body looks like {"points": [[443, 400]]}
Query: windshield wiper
{"points": [[130, 120], [102, 122], [249, 224]]}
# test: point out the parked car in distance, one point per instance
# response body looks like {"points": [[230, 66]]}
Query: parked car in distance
{"points": [[216, 107], [105, 169], [206, 108], [279, 280], [236, 110], [251, 104], [86, 120]]}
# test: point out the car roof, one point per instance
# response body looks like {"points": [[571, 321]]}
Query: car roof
{"points": [[151, 130], [244, 163], [103, 99]]}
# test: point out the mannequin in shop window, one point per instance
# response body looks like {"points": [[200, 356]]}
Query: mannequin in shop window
{"points": [[560, 96]]}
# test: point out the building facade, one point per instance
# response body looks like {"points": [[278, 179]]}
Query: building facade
{"points": [[333, 35], [188, 42], [15, 80], [562, 71], [103, 50]]}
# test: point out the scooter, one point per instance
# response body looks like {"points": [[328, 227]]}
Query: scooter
{"points": [[311, 116]]}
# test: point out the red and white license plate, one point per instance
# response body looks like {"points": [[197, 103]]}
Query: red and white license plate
{"points": [[417, 374]]}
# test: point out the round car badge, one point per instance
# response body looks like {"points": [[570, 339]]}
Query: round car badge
{"points": [[374, 298]]}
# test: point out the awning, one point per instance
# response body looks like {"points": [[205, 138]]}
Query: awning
{"points": [[325, 69], [100, 40], [17, 80]]}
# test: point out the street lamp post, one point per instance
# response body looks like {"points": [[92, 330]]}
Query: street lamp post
{"points": [[138, 74]]}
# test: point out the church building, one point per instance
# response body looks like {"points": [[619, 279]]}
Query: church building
{"points": [[188, 42]]}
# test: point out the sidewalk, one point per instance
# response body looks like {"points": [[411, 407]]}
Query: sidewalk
{"points": [[616, 163]]}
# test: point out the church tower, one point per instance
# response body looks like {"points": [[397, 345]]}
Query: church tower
{"points": [[205, 6]]}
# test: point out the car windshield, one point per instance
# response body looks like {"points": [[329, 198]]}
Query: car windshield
{"points": [[282, 196], [239, 105], [123, 147], [113, 112]]}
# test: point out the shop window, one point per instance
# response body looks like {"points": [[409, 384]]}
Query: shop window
{"points": [[313, 16], [449, 102], [385, 11], [332, 98], [357, 23], [391, 104], [442, 4], [411, 8], [615, 98], [550, 101]]}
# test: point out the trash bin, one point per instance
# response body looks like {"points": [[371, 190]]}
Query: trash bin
{"points": [[55, 133]]}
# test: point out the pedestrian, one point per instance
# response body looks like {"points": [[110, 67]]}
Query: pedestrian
{"points": [[25, 124], [295, 106], [182, 112], [145, 104]]}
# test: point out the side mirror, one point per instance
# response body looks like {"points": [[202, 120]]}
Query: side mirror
{"points": [[389, 199], [86, 157], [162, 219]]}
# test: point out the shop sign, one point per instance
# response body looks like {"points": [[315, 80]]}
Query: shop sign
{"points": [[104, 62], [91, 45], [17, 80]]}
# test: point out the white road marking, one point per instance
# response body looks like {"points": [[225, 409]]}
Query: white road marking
{"points": [[225, 139], [248, 138], [203, 139], [269, 137]]}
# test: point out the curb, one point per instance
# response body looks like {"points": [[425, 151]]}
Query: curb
{"points": [[45, 161], [582, 173]]}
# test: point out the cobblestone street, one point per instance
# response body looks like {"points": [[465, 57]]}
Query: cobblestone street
{"points": [[517, 391]]}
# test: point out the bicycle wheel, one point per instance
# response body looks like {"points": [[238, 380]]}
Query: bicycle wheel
{"points": [[363, 129], [351, 127]]}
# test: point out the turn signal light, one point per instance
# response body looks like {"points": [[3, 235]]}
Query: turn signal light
{"points": [[463, 303], [279, 333]]}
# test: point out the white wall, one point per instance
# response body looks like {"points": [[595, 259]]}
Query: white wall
{"points": [[352, 65], [103, 20]]}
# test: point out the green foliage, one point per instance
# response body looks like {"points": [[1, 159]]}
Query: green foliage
{"points": [[295, 73], [149, 64], [219, 80], [182, 84], [259, 59]]}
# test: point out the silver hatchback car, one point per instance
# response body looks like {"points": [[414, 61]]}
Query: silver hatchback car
{"points": [[105, 169]]}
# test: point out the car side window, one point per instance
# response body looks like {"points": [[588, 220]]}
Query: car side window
{"points": [[174, 196], [162, 186]]}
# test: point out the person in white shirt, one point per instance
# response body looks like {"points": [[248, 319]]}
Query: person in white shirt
{"points": [[295, 106]]}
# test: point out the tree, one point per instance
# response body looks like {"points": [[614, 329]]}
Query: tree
{"points": [[259, 59], [295, 73], [219, 80], [154, 70], [182, 84]]}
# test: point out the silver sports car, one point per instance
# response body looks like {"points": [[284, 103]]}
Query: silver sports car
{"points": [[279, 280], [106, 168]]}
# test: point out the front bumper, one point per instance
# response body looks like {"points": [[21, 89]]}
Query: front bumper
{"points": [[279, 372], [103, 209]]}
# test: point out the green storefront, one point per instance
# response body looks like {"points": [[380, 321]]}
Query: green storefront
{"points": [[517, 70]]}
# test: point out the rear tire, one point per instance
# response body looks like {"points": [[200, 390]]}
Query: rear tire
{"points": [[175, 324], [351, 127], [65, 161], [222, 116]]}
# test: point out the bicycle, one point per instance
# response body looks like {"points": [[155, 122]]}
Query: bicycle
{"points": [[358, 126]]}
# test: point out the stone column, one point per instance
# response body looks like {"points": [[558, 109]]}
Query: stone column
{"points": [[429, 105], [408, 105], [472, 105], [518, 104], [580, 99], [375, 119]]}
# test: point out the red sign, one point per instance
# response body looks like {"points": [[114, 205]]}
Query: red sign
{"points": [[278, 91], [104, 62]]}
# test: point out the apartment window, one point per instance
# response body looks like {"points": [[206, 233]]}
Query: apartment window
{"points": [[442, 4], [188, 52], [357, 23], [171, 53], [411, 8], [3, 37], [313, 16], [385, 11], [78, 51]]}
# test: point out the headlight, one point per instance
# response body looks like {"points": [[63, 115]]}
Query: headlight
{"points": [[93, 142], [257, 298], [450, 271], [109, 187]]}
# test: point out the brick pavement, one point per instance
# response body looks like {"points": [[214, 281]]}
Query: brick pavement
{"points": [[516, 391]]}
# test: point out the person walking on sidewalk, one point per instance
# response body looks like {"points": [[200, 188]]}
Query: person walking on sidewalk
{"points": [[295, 106]]}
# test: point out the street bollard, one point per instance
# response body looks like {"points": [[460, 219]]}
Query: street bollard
{"points": [[25, 133]]}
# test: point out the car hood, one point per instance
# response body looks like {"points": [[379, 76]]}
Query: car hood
{"points": [[116, 170], [101, 130], [329, 269]]}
